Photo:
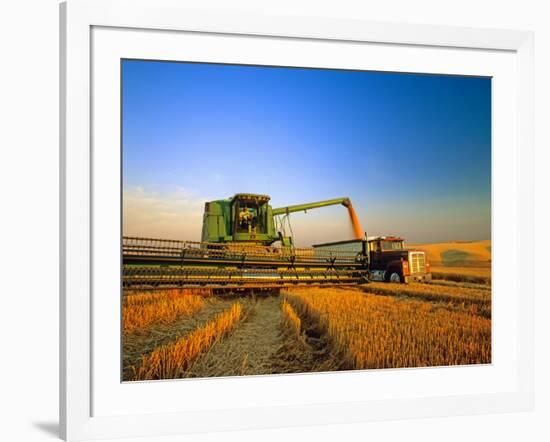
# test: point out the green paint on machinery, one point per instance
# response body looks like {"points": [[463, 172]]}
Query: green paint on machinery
{"points": [[249, 218], [237, 251]]}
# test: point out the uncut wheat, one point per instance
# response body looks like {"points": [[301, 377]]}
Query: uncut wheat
{"points": [[473, 300], [372, 331]]}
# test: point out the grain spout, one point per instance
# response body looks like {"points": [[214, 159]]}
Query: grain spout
{"points": [[355, 224]]}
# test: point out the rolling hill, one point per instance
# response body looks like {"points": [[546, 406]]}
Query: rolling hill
{"points": [[457, 253]]}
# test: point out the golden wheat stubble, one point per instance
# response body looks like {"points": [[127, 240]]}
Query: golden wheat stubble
{"points": [[172, 360]]}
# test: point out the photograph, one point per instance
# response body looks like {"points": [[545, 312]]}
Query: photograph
{"points": [[284, 219]]}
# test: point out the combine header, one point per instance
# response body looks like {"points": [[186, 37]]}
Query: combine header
{"points": [[237, 251]]}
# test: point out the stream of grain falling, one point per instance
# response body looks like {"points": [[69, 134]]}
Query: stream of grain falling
{"points": [[357, 231]]}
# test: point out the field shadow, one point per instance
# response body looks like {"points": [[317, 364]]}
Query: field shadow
{"points": [[455, 257], [51, 428]]}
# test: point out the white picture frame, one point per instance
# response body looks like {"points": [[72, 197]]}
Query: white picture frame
{"points": [[78, 376]]}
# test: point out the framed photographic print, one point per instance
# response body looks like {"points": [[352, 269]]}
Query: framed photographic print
{"points": [[296, 219]]}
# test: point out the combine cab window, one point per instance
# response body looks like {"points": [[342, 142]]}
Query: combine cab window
{"points": [[249, 218], [392, 245]]}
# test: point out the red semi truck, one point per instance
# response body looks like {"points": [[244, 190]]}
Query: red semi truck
{"points": [[389, 260]]}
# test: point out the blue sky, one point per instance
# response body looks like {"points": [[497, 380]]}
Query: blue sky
{"points": [[413, 152]]}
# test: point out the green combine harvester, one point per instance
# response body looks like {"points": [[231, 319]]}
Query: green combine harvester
{"points": [[245, 243]]}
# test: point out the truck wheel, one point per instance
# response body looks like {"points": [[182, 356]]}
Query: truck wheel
{"points": [[395, 277]]}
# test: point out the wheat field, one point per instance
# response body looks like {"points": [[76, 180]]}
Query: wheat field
{"points": [[462, 254], [291, 321], [172, 360], [189, 333], [143, 309], [472, 300], [372, 331]]}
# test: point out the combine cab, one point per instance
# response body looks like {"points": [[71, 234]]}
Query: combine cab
{"points": [[388, 259], [244, 244]]}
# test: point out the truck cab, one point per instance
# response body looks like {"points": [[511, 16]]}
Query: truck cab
{"points": [[390, 261]]}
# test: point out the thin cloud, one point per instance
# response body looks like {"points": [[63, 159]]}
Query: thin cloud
{"points": [[174, 215]]}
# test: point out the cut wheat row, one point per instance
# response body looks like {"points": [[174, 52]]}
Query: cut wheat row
{"points": [[146, 297], [140, 311], [467, 285], [173, 360], [373, 331], [472, 300], [478, 276], [291, 321]]}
